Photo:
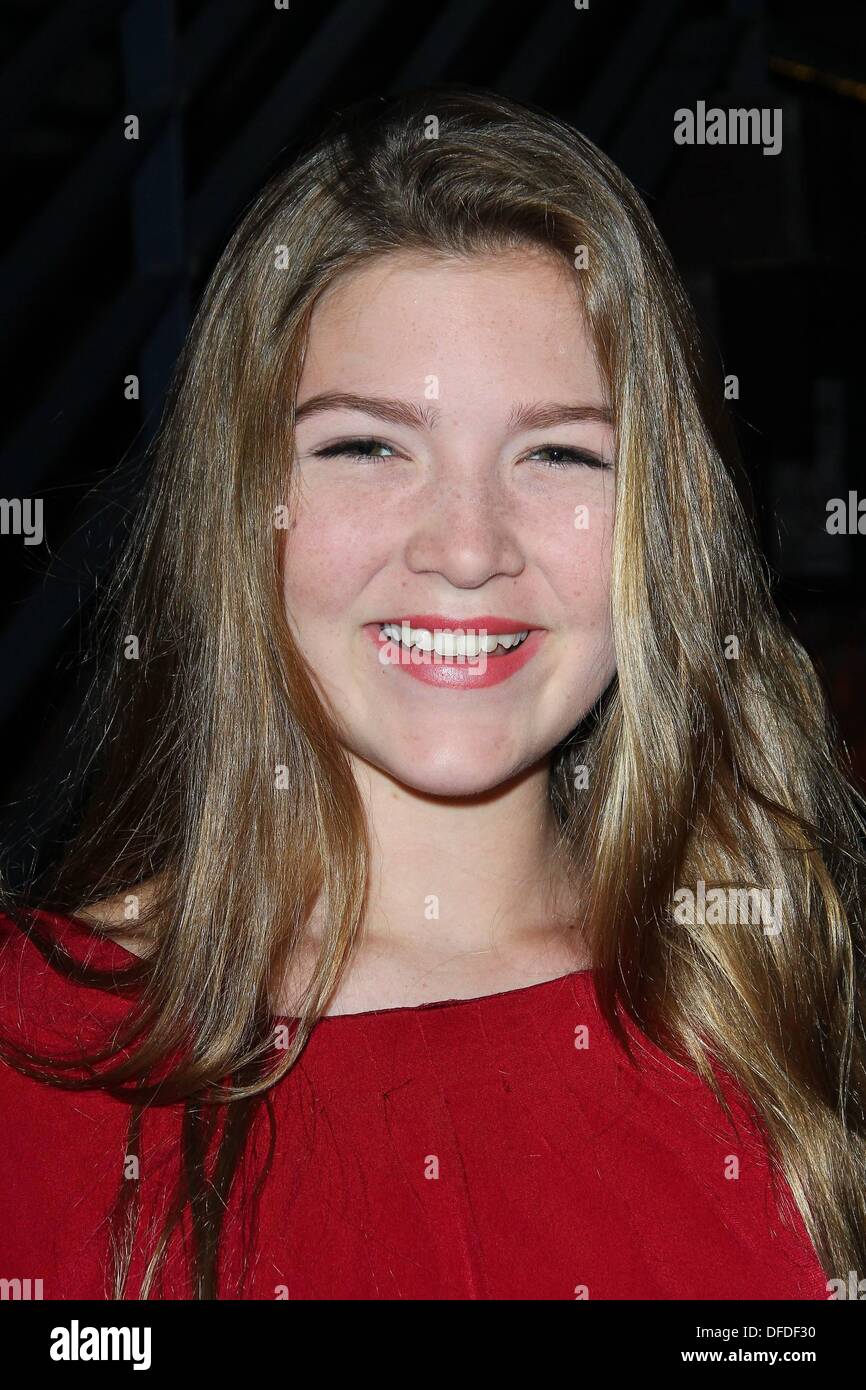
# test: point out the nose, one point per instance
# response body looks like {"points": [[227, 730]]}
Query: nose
{"points": [[466, 531]]}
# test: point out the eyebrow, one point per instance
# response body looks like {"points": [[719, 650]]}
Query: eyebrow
{"points": [[540, 415]]}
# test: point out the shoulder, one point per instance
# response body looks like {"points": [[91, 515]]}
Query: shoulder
{"points": [[56, 976], [120, 915], [63, 1146]]}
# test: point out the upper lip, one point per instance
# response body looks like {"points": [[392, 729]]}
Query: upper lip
{"points": [[488, 622]]}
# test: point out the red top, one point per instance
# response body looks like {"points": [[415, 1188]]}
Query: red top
{"points": [[493, 1148]]}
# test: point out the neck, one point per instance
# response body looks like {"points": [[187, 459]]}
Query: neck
{"points": [[464, 874]]}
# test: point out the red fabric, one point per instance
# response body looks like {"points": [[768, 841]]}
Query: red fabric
{"points": [[560, 1169]]}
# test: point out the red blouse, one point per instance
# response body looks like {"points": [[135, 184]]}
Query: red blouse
{"points": [[492, 1148]]}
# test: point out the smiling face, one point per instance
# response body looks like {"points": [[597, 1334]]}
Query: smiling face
{"points": [[452, 510]]}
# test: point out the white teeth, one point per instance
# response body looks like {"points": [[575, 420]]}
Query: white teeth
{"points": [[447, 643]]}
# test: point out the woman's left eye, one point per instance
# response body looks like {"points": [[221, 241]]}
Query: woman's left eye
{"points": [[569, 457]]}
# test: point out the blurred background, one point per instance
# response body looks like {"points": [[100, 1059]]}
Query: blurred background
{"points": [[107, 242]]}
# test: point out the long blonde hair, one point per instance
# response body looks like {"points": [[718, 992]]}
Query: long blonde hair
{"points": [[700, 767]]}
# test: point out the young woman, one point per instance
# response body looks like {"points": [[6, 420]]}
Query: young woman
{"points": [[469, 902]]}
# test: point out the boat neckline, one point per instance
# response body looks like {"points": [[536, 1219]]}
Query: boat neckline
{"points": [[584, 975]]}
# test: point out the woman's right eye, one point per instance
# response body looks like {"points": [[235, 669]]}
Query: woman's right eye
{"points": [[361, 449]]}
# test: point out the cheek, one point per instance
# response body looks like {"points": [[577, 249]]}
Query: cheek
{"points": [[579, 569], [326, 561], [581, 577]]}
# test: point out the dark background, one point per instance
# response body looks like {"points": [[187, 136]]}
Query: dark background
{"points": [[106, 244]]}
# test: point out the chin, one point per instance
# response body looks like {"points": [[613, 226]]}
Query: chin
{"points": [[453, 771]]}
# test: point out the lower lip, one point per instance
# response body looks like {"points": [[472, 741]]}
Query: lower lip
{"points": [[453, 674]]}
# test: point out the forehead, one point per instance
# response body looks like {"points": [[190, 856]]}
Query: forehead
{"points": [[439, 283], [515, 312]]}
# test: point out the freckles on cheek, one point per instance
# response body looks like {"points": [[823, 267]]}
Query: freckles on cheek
{"points": [[326, 561], [582, 569]]}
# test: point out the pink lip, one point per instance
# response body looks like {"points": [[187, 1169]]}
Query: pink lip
{"points": [[487, 622], [455, 674]]}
